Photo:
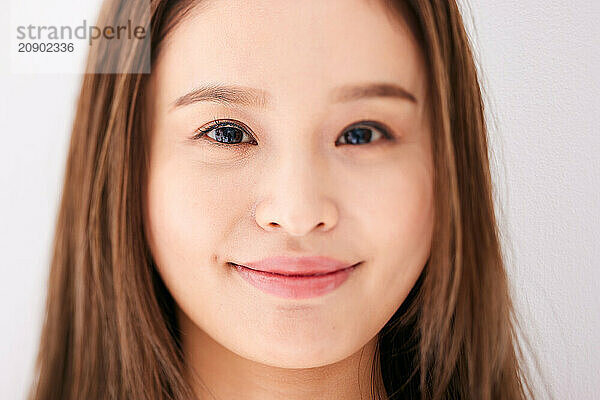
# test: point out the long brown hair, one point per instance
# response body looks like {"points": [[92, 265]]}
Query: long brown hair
{"points": [[110, 330]]}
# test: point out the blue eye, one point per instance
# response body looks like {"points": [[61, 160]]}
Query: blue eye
{"points": [[363, 132], [227, 133]]}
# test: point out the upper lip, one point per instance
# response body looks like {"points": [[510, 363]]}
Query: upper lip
{"points": [[298, 265]]}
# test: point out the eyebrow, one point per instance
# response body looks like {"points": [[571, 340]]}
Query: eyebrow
{"points": [[252, 97]]}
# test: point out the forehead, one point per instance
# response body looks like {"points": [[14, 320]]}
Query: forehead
{"points": [[288, 48]]}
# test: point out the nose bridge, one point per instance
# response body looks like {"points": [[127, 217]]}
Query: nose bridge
{"points": [[294, 197]]}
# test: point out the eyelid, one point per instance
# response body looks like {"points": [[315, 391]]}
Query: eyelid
{"points": [[216, 123], [386, 132]]}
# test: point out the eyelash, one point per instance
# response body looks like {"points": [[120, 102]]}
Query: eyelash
{"points": [[217, 123]]}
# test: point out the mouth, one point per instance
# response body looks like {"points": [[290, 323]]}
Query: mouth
{"points": [[296, 275], [294, 286]]}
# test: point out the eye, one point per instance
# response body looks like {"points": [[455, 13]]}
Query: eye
{"points": [[225, 133], [363, 132]]}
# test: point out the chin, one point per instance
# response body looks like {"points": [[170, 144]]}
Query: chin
{"points": [[300, 355]]}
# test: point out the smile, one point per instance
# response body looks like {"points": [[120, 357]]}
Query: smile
{"points": [[295, 286]]}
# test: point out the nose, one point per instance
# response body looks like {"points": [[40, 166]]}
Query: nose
{"points": [[297, 196]]}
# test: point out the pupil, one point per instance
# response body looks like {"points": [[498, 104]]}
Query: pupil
{"points": [[228, 134], [358, 135]]}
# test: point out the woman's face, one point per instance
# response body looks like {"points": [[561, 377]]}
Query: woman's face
{"points": [[303, 166]]}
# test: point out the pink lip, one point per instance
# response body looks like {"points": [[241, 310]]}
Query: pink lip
{"points": [[297, 265], [296, 277], [295, 286]]}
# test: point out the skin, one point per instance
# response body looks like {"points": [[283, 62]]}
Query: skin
{"points": [[293, 192]]}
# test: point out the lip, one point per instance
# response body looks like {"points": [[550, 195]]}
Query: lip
{"points": [[297, 265], [295, 286]]}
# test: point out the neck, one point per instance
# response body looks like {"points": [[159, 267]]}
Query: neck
{"points": [[218, 373]]}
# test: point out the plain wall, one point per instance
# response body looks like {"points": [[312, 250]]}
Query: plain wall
{"points": [[540, 67]]}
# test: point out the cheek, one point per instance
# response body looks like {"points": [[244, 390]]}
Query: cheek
{"points": [[188, 210], [394, 202], [397, 225], [404, 211]]}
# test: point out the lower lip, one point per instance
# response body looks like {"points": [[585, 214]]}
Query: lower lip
{"points": [[295, 287]]}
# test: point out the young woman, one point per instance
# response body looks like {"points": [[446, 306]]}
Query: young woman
{"points": [[295, 204]]}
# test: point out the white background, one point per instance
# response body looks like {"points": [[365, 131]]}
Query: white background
{"points": [[540, 60], [56, 13]]}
